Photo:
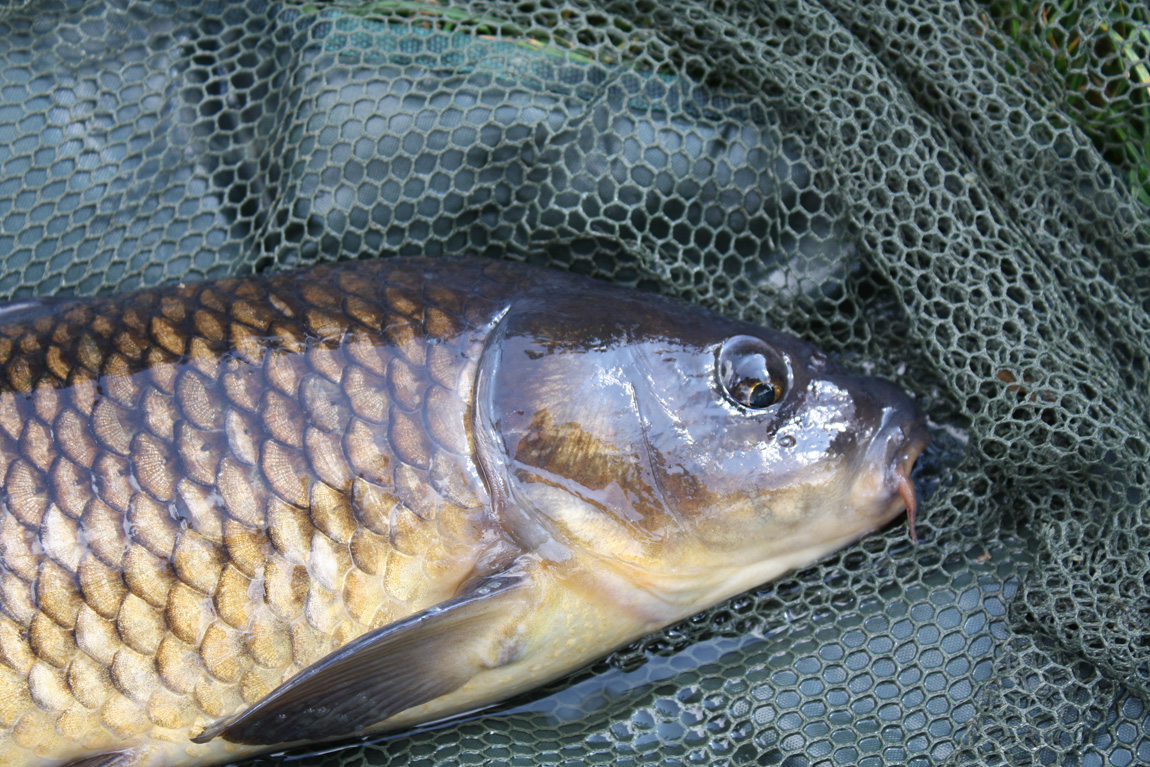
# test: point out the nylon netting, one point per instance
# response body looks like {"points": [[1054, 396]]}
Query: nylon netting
{"points": [[948, 194]]}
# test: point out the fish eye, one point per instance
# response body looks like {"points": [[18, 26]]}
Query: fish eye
{"points": [[751, 373]]}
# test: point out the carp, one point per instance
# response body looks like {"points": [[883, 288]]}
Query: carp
{"points": [[256, 512]]}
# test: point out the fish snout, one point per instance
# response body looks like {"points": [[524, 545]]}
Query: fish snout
{"points": [[884, 487], [907, 445]]}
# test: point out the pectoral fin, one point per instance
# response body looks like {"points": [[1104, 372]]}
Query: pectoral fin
{"points": [[115, 759], [386, 671]]}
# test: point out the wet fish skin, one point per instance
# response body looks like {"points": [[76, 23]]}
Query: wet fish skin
{"points": [[209, 489]]}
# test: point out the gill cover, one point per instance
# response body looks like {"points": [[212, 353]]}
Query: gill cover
{"points": [[562, 424]]}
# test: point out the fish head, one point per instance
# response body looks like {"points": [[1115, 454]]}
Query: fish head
{"points": [[701, 454], [779, 454]]}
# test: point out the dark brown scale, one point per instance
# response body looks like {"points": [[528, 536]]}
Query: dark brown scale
{"points": [[207, 488]]}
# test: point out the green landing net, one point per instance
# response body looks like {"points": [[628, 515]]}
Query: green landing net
{"points": [[949, 194]]}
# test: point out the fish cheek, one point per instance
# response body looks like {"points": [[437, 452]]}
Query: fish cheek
{"points": [[716, 516], [750, 486], [741, 526]]}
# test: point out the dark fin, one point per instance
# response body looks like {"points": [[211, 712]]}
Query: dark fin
{"points": [[114, 759], [382, 673], [26, 310]]}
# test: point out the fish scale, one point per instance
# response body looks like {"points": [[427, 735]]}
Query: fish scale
{"points": [[207, 488]]}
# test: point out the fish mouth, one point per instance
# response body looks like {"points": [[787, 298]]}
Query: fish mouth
{"points": [[901, 467], [885, 485]]}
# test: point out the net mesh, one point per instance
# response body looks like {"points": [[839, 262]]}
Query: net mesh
{"points": [[948, 194]]}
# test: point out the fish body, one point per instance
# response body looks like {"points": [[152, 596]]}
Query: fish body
{"points": [[353, 498]]}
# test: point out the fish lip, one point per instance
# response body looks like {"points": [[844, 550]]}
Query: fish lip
{"points": [[900, 460], [883, 487]]}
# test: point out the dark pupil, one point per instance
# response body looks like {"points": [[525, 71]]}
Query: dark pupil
{"points": [[762, 395], [754, 388], [751, 373]]}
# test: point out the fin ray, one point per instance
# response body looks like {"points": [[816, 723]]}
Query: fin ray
{"points": [[110, 759]]}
